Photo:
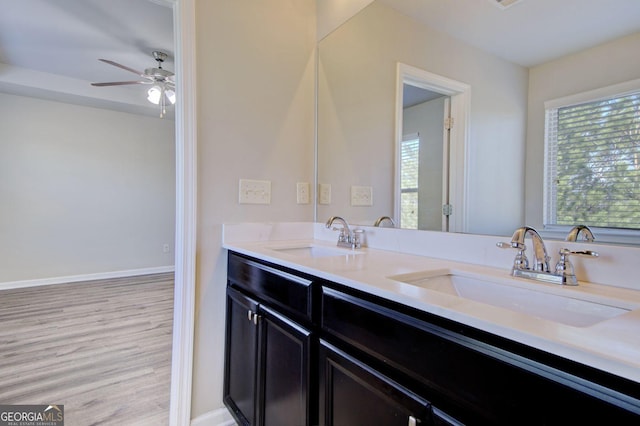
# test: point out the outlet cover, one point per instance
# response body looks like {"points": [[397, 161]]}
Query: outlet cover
{"points": [[254, 191], [302, 192], [324, 193], [361, 196]]}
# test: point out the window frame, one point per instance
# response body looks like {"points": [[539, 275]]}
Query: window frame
{"points": [[602, 234]]}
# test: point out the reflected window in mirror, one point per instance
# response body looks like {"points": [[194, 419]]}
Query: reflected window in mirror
{"points": [[409, 166], [592, 171]]}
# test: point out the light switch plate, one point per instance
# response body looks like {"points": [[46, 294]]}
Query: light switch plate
{"points": [[302, 192], [324, 194], [361, 196], [254, 191]]}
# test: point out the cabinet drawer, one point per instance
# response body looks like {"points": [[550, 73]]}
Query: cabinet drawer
{"points": [[352, 393], [476, 377], [289, 293]]}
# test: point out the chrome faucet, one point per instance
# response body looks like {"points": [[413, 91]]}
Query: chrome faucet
{"points": [[563, 272], [347, 237], [541, 258], [383, 219], [580, 229]]}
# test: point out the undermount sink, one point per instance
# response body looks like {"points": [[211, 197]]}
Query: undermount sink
{"points": [[549, 306], [311, 250]]}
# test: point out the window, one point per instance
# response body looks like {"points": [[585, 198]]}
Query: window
{"points": [[409, 151], [592, 173]]}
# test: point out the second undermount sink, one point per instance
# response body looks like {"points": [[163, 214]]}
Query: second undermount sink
{"points": [[550, 306], [312, 250]]}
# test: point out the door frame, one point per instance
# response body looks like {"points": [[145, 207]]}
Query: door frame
{"points": [[185, 227]]}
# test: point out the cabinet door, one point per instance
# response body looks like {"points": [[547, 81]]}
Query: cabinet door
{"points": [[241, 351], [353, 394], [284, 371]]}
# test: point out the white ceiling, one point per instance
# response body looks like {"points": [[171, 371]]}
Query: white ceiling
{"points": [[52, 46], [529, 32]]}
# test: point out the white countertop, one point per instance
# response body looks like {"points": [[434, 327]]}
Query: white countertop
{"points": [[612, 345]]}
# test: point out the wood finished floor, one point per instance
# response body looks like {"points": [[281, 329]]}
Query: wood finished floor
{"points": [[102, 348]]}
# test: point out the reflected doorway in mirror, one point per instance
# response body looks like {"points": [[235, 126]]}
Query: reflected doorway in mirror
{"points": [[455, 98]]}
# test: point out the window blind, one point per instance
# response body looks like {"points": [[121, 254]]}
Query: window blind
{"points": [[592, 171], [409, 166]]}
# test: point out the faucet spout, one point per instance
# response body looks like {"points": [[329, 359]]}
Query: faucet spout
{"points": [[541, 258], [345, 237], [345, 225]]}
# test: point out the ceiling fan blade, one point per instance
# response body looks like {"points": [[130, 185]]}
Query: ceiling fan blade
{"points": [[119, 83], [115, 64]]}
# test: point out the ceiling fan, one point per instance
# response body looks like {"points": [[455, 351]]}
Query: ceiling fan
{"points": [[163, 81]]}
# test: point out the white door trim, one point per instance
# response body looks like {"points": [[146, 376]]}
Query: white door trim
{"points": [[186, 191]]}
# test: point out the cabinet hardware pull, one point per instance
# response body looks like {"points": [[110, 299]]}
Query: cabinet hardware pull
{"points": [[413, 421], [249, 314], [256, 317]]}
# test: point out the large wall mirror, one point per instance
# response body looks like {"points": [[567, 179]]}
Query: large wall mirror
{"points": [[358, 131]]}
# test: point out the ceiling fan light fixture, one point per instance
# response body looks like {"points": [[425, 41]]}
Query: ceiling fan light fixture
{"points": [[171, 95], [162, 92], [155, 94]]}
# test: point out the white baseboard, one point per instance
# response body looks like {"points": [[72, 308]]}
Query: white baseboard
{"points": [[85, 277], [219, 417]]}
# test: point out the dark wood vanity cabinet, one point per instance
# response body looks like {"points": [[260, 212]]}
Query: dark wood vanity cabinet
{"points": [[318, 352], [473, 377], [268, 355]]}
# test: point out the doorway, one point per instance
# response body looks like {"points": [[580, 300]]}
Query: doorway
{"points": [[423, 157]]}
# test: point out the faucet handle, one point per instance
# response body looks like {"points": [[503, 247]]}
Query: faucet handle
{"points": [[521, 261], [564, 266], [343, 233], [357, 241], [514, 245], [581, 253]]}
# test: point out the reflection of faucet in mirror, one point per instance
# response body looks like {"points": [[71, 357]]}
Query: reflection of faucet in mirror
{"points": [[347, 237], [578, 230], [385, 219]]}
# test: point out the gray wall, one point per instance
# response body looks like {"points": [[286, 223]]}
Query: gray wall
{"points": [[83, 190], [255, 84]]}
